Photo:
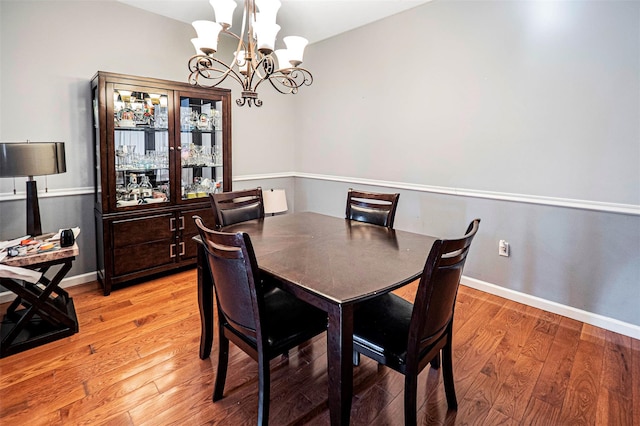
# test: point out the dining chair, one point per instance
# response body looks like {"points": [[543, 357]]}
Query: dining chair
{"points": [[372, 207], [262, 322], [237, 206], [406, 337]]}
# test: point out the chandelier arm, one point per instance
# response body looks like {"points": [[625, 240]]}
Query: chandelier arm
{"points": [[289, 80], [203, 66]]}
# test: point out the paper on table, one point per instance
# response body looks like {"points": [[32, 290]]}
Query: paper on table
{"points": [[11, 243], [19, 273], [76, 232]]}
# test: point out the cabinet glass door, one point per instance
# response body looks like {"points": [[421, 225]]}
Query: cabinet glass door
{"points": [[141, 146], [200, 147]]}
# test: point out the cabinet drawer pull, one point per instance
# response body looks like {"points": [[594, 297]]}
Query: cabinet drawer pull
{"points": [[179, 148], [182, 249], [181, 223], [171, 148], [172, 251], [172, 224]]}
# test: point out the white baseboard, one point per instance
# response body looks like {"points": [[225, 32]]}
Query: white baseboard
{"points": [[597, 320], [601, 321]]}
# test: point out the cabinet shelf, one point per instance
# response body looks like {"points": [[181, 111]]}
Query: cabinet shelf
{"points": [[141, 129], [138, 170]]}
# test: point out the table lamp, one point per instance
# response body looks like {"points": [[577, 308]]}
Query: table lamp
{"points": [[29, 159], [275, 201]]}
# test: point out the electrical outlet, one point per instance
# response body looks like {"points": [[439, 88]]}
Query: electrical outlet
{"points": [[503, 248]]}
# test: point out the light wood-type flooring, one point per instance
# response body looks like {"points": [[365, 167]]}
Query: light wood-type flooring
{"points": [[135, 362]]}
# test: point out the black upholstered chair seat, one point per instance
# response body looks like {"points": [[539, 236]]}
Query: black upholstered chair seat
{"points": [[283, 328], [382, 324]]}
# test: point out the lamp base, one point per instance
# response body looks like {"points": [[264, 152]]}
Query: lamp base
{"points": [[34, 228]]}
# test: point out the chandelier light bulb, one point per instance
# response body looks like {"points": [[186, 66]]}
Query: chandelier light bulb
{"points": [[208, 35], [296, 46], [223, 11], [266, 36], [197, 45], [268, 10], [284, 60]]}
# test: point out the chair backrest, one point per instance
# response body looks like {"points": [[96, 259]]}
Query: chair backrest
{"points": [[372, 207], [436, 295], [233, 267], [237, 206]]}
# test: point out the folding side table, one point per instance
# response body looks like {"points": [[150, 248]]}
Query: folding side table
{"points": [[41, 312]]}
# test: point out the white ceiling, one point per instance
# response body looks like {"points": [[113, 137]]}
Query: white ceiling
{"points": [[313, 19]]}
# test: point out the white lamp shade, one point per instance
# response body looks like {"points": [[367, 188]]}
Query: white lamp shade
{"points": [[223, 10], [283, 58], [266, 35], [197, 45], [275, 201], [296, 46], [207, 34], [268, 10]]}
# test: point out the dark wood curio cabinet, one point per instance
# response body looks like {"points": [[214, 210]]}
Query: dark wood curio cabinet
{"points": [[161, 147]]}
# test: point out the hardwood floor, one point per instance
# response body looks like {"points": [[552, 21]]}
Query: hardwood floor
{"points": [[135, 362]]}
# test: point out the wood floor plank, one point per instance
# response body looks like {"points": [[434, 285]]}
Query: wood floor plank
{"points": [[614, 409], [516, 391], [554, 378], [135, 362], [541, 413], [580, 401]]}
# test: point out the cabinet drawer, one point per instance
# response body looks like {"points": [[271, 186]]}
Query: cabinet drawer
{"points": [[191, 230], [143, 230], [190, 227], [139, 257]]}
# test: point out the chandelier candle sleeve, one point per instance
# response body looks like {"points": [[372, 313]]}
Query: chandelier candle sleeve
{"points": [[254, 60]]}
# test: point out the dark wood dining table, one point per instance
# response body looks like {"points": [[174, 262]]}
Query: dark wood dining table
{"points": [[333, 264]]}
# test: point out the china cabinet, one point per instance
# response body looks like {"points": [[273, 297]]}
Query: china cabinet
{"points": [[161, 147]]}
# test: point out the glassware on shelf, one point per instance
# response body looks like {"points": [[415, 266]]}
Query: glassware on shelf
{"points": [[199, 187], [133, 188], [216, 155], [146, 189], [215, 118], [187, 122], [121, 192]]}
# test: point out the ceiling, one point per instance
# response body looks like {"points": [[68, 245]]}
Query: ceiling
{"points": [[313, 19]]}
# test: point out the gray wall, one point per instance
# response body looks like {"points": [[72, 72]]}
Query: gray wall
{"points": [[533, 101], [526, 97]]}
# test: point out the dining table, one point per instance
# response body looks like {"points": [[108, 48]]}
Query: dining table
{"points": [[331, 263]]}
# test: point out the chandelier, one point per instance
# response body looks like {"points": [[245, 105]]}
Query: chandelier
{"points": [[253, 61]]}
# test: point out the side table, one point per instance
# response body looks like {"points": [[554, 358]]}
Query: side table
{"points": [[41, 312]]}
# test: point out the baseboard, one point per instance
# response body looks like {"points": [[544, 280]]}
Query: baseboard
{"points": [[601, 321]]}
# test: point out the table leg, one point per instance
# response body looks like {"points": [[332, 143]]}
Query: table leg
{"points": [[339, 357], [205, 303]]}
